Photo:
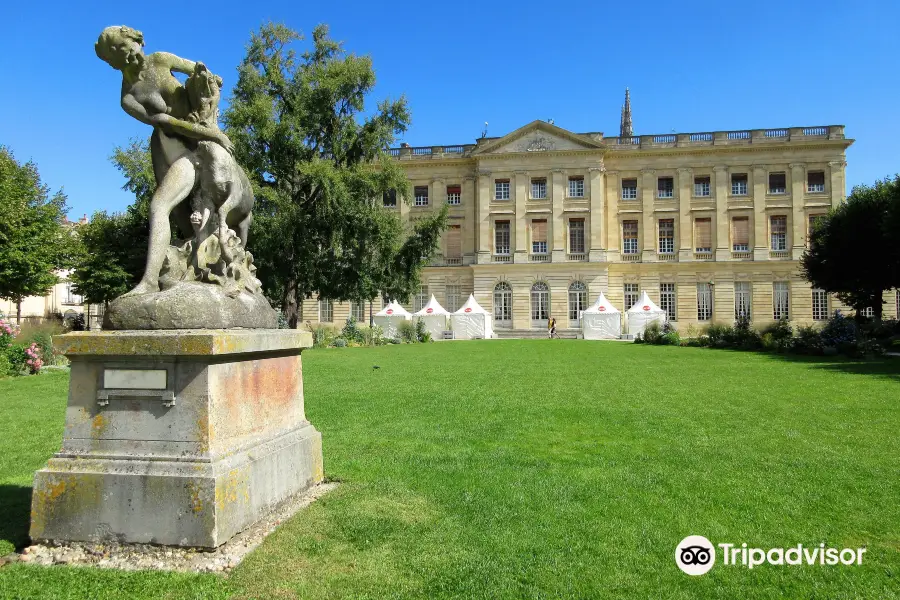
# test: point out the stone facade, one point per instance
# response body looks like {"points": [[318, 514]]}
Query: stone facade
{"points": [[688, 216]]}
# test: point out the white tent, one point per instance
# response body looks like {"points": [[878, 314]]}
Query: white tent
{"points": [[471, 321], [389, 317], [434, 316], [601, 321], [643, 313]]}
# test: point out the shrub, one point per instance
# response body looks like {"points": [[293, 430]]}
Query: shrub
{"points": [[373, 336], [340, 343], [839, 332], [743, 336], [422, 335], [780, 336], [407, 332], [16, 356], [352, 332], [808, 341], [664, 335], [282, 322], [5, 366], [323, 335], [718, 335]]}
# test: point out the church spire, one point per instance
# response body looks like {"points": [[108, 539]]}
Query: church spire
{"points": [[625, 127]]}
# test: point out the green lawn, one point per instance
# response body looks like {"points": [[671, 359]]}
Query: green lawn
{"points": [[543, 469]]}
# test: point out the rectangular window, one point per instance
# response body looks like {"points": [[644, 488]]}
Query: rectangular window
{"points": [[820, 305], [667, 299], [452, 299], [539, 236], [538, 189], [629, 189], [703, 235], [740, 234], [454, 242], [632, 293], [326, 311], [665, 187], [739, 184], [358, 311], [741, 299], [815, 182], [576, 187], [421, 195], [778, 230], [576, 236], [389, 198], [420, 299], [780, 300], [777, 183], [868, 312], [629, 237], [501, 189], [454, 195], [704, 302], [811, 226], [701, 186], [501, 237], [666, 236]]}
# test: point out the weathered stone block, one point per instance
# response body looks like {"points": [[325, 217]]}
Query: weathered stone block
{"points": [[211, 436]]}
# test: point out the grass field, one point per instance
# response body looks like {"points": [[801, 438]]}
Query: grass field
{"points": [[542, 469]]}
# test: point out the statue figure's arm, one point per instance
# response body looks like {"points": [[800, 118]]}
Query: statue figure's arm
{"points": [[176, 63], [177, 126]]}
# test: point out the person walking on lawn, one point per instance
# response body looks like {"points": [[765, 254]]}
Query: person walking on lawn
{"points": [[551, 328]]}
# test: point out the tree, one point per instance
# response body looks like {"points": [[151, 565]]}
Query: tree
{"points": [[33, 242], [852, 251], [320, 171], [113, 247]]}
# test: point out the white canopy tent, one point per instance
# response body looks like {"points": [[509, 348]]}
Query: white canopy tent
{"points": [[472, 322], [643, 313], [601, 321], [389, 317], [434, 316]]}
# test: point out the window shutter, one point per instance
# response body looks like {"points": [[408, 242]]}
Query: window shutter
{"points": [[539, 230], [454, 242], [779, 225], [702, 234], [740, 231], [454, 189]]}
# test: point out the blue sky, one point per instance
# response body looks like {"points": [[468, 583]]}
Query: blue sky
{"points": [[691, 66]]}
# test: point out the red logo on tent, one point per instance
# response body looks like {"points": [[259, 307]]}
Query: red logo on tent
{"points": [[602, 308], [429, 310], [646, 307], [390, 311], [468, 310]]}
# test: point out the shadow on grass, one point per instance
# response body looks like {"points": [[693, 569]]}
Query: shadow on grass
{"points": [[884, 367], [16, 503]]}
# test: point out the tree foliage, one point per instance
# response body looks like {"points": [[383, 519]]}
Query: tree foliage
{"points": [[34, 244], [319, 171], [853, 250], [113, 247]]}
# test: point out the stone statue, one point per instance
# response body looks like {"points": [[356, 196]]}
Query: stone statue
{"points": [[208, 280]]}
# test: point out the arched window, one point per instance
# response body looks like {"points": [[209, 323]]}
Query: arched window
{"points": [[577, 302], [503, 304], [540, 304]]}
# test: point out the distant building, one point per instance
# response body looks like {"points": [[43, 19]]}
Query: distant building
{"points": [[61, 300], [710, 224]]}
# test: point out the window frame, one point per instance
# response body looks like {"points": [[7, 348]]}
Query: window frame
{"points": [[578, 181], [542, 183], [782, 219], [634, 189], [665, 193], [577, 302], [540, 303], [578, 230], [421, 200], [668, 300], [736, 179], [781, 300], [813, 188], [454, 198], [626, 239], [743, 299], [453, 297], [820, 302], [326, 310], [502, 190], [665, 245], [631, 293], [708, 186], [777, 191], [497, 231], [503, 306], [735, 247], [704, 302], [537, 246]]}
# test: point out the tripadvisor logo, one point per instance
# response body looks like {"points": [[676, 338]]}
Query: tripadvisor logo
{"points": [[696, 555]]}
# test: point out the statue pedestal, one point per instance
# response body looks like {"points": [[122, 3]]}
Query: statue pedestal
{"points": [[181, 437]]}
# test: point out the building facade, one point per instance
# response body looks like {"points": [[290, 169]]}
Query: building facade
{"points": [[711, 225]]}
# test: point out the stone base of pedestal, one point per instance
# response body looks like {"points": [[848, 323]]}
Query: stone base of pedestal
{"points": [[177, 437]]}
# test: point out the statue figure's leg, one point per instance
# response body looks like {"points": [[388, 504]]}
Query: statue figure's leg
{"points": [[243, 228], [173, 189], [181, 214]]}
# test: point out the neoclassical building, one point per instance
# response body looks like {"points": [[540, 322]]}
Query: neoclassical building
{"points": [[710, 224]]}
